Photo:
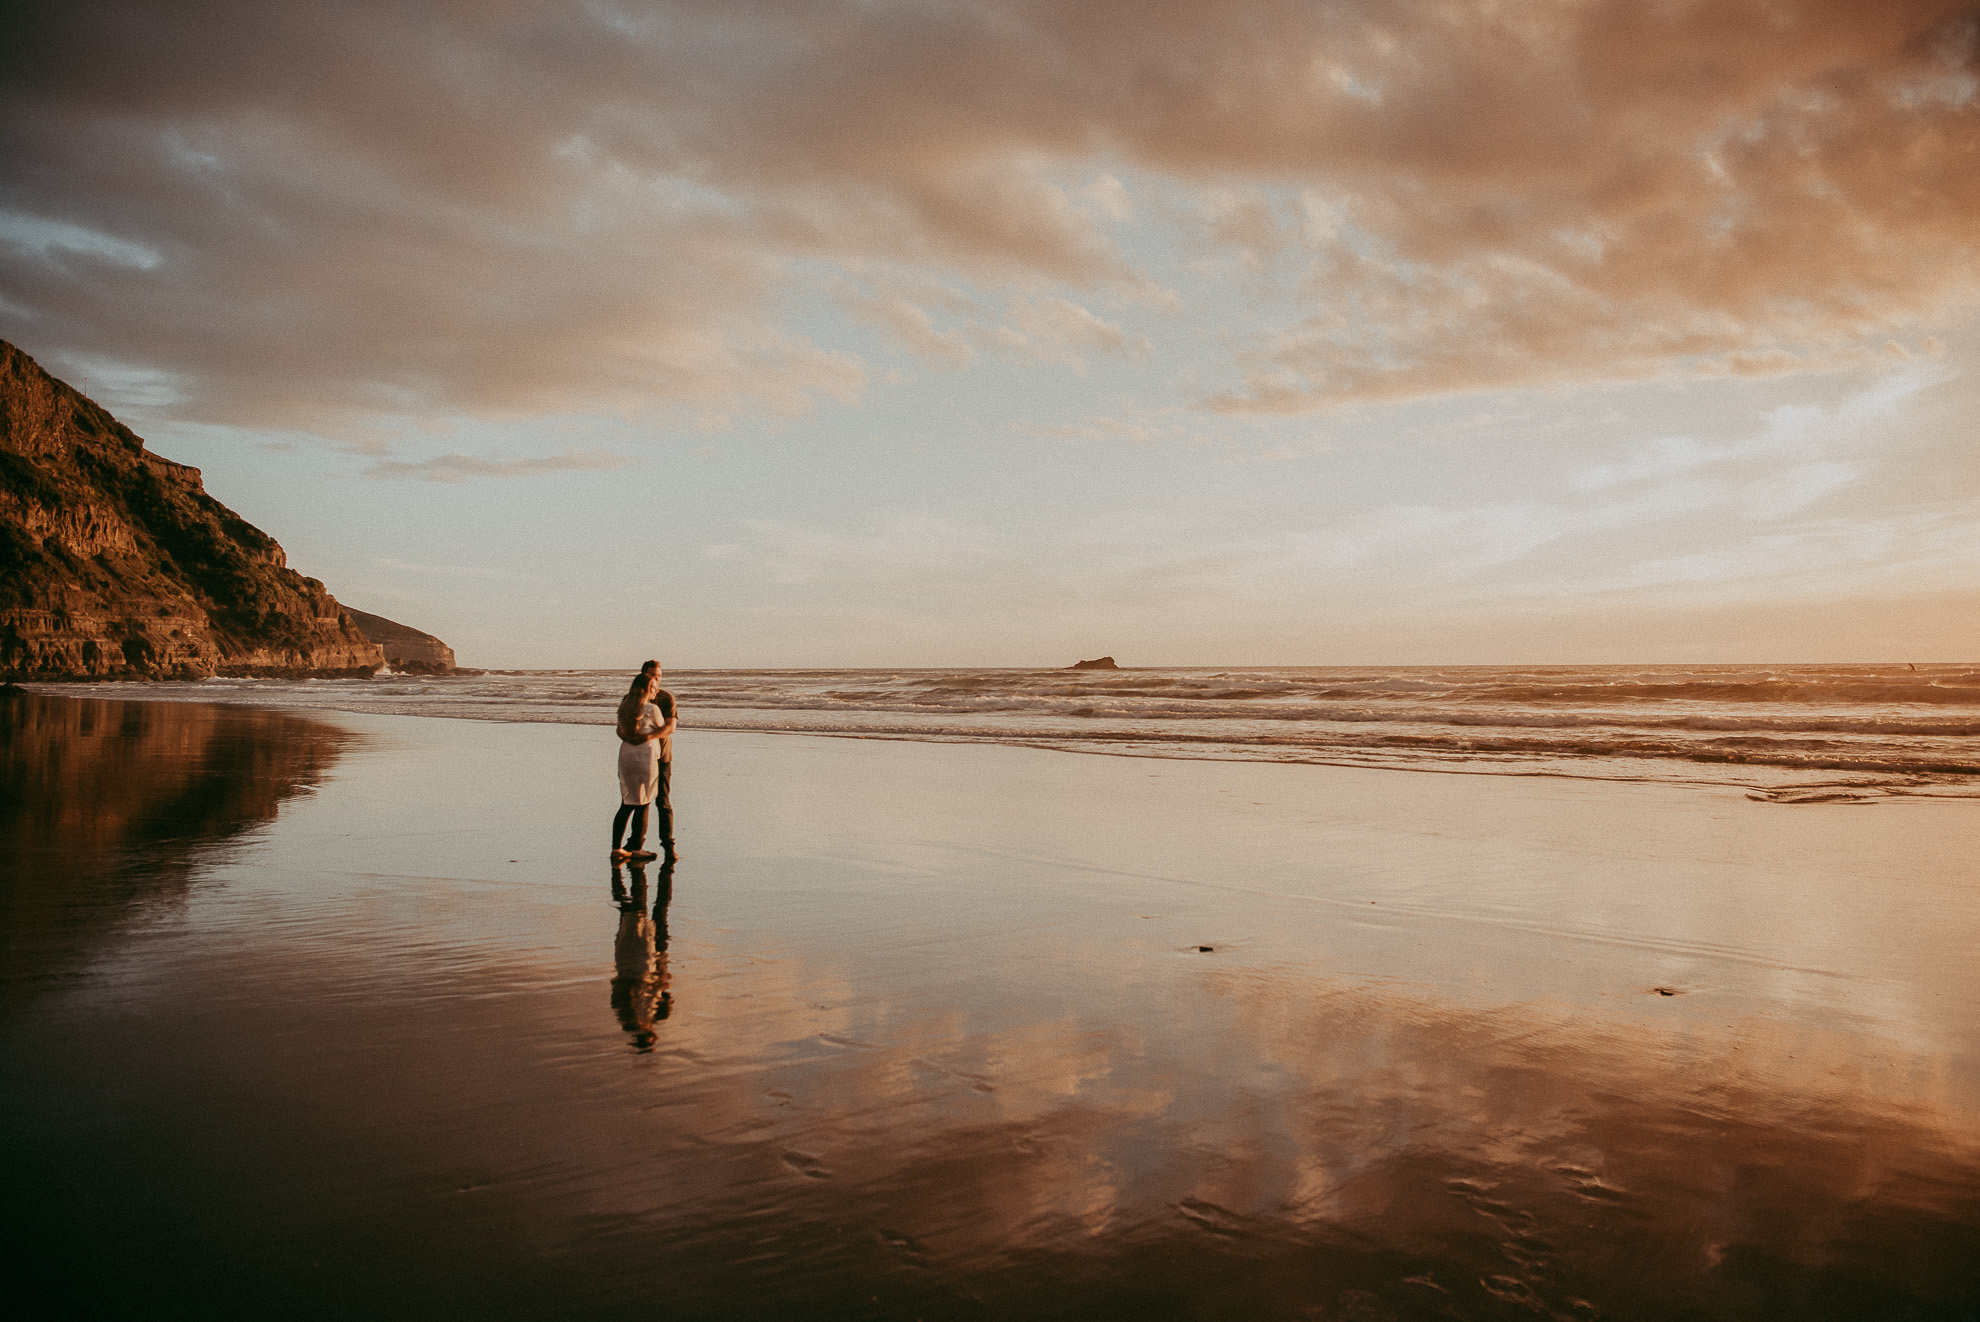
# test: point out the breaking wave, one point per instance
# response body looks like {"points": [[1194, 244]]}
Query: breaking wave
{"points": [[1858, 731]]}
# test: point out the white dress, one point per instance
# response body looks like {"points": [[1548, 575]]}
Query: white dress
{"points": [[639, 764]]}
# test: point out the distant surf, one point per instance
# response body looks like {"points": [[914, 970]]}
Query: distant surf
{"points": [[1796, 733]]}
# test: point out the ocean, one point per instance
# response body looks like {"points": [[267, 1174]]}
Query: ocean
{"points": [[1788, 733]]}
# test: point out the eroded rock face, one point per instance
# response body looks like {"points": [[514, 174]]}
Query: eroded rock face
{"points": [[406, 649], [115, 563]]}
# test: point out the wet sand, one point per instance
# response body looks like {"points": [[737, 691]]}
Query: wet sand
{"points": [[344, 1015]]}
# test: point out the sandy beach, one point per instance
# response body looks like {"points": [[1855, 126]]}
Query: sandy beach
{"points": [[315, 1015]]}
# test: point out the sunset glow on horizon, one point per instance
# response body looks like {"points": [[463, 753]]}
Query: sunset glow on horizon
{"points": [[1010, 333]]}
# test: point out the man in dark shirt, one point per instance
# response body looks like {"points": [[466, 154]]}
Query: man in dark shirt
{"points": [[663, 804]]}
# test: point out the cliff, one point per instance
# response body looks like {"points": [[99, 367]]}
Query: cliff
{"points": [[115, 563], [406, 648]]}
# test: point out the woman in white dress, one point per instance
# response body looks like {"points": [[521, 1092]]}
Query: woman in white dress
{"points": [[641, 727]]}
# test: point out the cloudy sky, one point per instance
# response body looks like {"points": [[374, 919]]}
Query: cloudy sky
{"points": [[929, 332]]}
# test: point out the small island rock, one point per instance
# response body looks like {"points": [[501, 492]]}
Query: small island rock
{"points": [[1097, 663]]}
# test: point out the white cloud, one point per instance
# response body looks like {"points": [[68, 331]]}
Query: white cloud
{"points": [[1792, 490], [912, 325], [1053, 329], [1800, 430], [47, 238], [1109, 196], [458, 468], [1665, 457]]}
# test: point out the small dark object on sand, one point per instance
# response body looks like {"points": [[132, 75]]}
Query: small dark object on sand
{"points": [[1665, 991], [1205, 949]]}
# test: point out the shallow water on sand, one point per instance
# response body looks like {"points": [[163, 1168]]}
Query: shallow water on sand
{"points": [[1786, 733], [348, 1019]]}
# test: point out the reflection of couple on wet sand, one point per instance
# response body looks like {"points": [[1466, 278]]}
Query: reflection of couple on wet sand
{"points": [[646, 763], [641, 986]]}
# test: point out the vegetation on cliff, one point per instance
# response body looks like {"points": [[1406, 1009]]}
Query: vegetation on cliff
{"points": [[115, 563]]}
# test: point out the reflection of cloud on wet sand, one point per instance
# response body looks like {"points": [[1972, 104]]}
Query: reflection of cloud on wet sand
{"points": [[1287, 1140]]}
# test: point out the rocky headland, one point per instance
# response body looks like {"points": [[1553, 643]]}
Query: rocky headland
{"points": [[115, 563], [407, 649]]}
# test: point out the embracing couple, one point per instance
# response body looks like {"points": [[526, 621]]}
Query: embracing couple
{"points": [[646, 763]]}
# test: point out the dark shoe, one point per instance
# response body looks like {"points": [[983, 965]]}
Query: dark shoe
{"points": [[672, 853], [641, 855]]}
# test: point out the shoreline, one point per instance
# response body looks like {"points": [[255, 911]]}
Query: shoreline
{"points": [[1472, 802], [1807, 779]]}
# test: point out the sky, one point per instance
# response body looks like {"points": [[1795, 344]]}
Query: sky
{"points": [[1014, 332]]}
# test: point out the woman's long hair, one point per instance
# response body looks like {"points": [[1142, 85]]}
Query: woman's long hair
{"points": [[629, 707]]}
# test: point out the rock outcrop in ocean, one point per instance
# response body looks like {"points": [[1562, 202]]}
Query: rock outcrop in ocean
{"points": [[115, 563], [1097, 663], [406, 649]]}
